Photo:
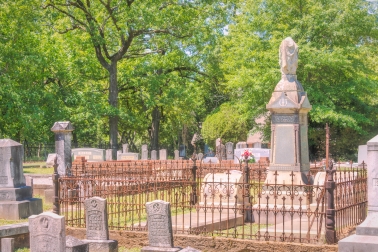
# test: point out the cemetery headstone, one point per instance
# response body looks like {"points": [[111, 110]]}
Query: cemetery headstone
{"points": [[96, 219], [50, 159], [177, 157], [16, 200], [125, 148], [366, 237], [241, 145], [362, 154], [90, 154], [47, 233], [128, 156], [212, 160], [153, 155], [182, 151], [144, 152], [75, 245], [63, 134], [199, 156], [163, 154], [160, 235], [108, 155], [7, 245], [229, 151]]}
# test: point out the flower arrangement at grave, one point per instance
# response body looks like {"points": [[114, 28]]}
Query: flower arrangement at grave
{"points": [[247, 155]]}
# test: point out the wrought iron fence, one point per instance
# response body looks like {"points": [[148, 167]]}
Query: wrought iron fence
{"points": [[225, 199]]}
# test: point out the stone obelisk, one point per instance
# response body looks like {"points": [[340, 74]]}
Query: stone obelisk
{"points": [[289, 107]]}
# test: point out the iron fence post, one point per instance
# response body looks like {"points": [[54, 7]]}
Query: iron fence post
{"points": [[330, 213], [194, 197], [55, 178]]}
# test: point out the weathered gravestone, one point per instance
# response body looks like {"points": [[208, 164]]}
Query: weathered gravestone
{"points": [[199, 156], [16, 201], [241, 145], [96, 219], [163, 154], [90, 154], [47, 233], [159, 223], [144, 152], [50, 160], [128, 156], [153, 155], [177, 155], [229, 151], [76, 245], [108, 155]]}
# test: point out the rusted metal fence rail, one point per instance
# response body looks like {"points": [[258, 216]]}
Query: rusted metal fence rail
{"points": [[226, 199]]}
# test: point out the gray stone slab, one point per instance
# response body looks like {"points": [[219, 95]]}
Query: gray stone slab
{"points": [[47, 233], [128, 156], [358, 243], [153, 155], [50, 160], [144, 152], [49, 195], [125, 148], [96, 218], [75, 245], [14, 229], [15, 210], [108, 154], [177, 157], [90, 154], [7, 245], [10, 194], [229, 151], [163, 154], [102, 245]]}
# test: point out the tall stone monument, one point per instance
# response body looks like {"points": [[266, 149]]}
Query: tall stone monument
{"points": [[366, 237], [16, 201], [63, 133], [289, 106]]}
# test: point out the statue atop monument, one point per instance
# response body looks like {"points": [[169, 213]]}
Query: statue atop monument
{"points": [[288, 56]]}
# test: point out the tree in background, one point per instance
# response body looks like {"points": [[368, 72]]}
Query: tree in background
{"points": [[337, 44]]}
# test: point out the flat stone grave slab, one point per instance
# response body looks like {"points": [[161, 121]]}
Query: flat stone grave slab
{"points": [[128, 156], [90, 154]]}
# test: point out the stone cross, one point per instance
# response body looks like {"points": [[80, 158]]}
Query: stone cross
{"points": [[96, 218], [63, 134], [159, 221], [47, 233]]}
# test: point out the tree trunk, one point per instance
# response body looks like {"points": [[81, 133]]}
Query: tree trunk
{"points": [[156, 116], [113, 101]]}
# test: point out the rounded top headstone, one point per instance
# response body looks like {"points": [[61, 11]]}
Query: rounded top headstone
{"points": [[62, 127]]}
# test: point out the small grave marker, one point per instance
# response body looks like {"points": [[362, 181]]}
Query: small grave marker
{"points": [[96, 219]]}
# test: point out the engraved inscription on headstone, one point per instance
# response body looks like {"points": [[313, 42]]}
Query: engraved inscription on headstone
{"points": [[285, 118], [47, 233], [96, 219], [159, 224]]}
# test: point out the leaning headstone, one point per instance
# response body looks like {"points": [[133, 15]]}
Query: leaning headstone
{"points": [[366, 237], [50, 159], [125, 148], [63, 134], [229, 151], [160, 235], [163, 154], [177, 157], [153, 155], [7, 244], [47, 233], [144, 152], [96, 219], [75, 245], [16, 200]]}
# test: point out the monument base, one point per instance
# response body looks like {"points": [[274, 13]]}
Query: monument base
{"points": [[75, 245], [15, 210], [102, 245], [20, 193], [153, 249], [366, 237]]}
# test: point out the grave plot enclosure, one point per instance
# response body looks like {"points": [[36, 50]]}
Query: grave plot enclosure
{"points": [[222, 199]]}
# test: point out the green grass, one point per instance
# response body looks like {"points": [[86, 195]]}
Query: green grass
{"points": [[23, 250], [9, 222], [37, 168]]}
